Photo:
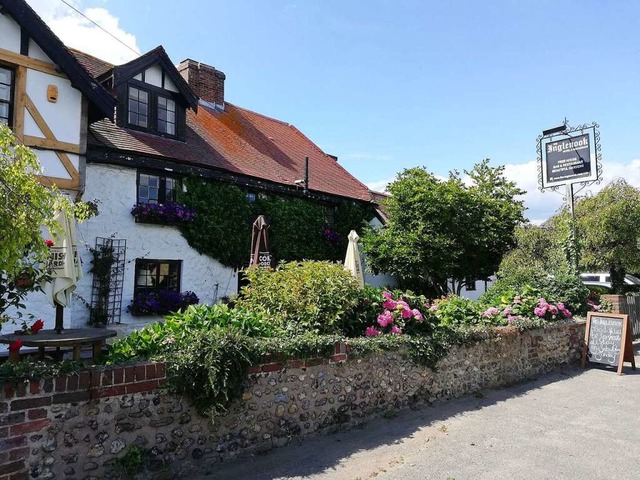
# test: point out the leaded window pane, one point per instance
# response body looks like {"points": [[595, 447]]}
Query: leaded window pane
{"points": [[138, 107], [5, 92], [5, 76]]}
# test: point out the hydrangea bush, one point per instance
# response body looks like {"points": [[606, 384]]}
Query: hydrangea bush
{"points": [[397, 314]]}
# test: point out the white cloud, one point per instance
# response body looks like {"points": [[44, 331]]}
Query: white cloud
{"points": [[541, 205], [77, 32], [380, 185]]}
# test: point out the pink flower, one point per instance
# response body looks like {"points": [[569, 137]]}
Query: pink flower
{"points": [[490, 312], [433, 308], [417, 315], [539, 311], [511, 319], [389, 304], [387, 295], [507, 311], [567, 313], [553, 309], [395, 330], [371, 331], [407, 313], [385, 318], [402, 304]]}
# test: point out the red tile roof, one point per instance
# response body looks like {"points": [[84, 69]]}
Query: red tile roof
{"points": [[236, 140], [93, 65]]}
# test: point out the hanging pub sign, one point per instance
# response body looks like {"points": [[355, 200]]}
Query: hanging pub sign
{"points": [[569, 155]]}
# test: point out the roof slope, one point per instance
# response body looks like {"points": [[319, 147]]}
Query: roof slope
{"points": [[93, 65], [238, 141], [56, 50]]}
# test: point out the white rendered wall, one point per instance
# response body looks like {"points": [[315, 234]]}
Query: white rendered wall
{"points": [[153, 76], [115, 188], [9, 34], [36, 52], [382, 280], [62, 117]]}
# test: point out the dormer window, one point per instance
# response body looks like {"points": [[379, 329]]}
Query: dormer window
{"points": [[152, 95], [151, 109]]}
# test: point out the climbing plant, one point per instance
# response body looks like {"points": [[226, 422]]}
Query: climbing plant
{"points": [[298, 229]]}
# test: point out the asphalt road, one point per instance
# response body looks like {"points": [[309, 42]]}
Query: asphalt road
{"points": [[573, 424]]}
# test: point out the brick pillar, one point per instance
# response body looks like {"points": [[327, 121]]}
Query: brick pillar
{"points": [[619, 302]]}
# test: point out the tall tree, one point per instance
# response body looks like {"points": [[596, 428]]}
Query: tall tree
{"points": [[608, 227], [441, 230]]}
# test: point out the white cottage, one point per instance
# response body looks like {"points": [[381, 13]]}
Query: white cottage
{"points": [[146, 125]]}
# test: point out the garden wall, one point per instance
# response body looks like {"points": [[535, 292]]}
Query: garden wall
{"points": [[75, 426]]}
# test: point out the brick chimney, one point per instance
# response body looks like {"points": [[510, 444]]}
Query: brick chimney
{"points": [[205, 81]]}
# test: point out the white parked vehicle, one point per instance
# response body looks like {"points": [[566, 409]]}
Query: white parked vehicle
{"points": [[604, 280]]}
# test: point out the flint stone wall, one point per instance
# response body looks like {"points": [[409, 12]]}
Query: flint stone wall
{"points": [[73, 427]]}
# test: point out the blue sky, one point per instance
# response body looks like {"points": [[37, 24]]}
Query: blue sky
{"points": [[387, 85]]}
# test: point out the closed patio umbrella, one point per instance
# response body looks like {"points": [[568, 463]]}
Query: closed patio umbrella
{"points": [[260, 253], [352, 261], [64, 267]]}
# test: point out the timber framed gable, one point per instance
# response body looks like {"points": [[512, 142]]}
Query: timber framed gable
{"points": [[48, 98]]}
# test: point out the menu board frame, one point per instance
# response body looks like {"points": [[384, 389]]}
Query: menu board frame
{"points": [[626, 344]]}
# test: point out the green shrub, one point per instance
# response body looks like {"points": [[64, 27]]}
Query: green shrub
{"points": [[158, 339], [453, 310], [565, 288], [367, 308], [211, 368], [302, 297]]}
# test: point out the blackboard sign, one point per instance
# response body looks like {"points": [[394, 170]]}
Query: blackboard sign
{"points": [[608, 340]]}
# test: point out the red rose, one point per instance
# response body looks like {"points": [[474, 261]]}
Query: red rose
{"points": [[49, 243], [37, 326], [15, 346]]}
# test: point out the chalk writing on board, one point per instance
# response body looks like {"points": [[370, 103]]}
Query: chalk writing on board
{"points": [[605, 340]]}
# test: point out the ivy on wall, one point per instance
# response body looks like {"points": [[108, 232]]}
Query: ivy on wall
{"points": [[221, 228]]}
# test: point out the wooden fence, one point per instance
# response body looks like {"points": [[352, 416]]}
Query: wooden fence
{"points": [[629, 305]]}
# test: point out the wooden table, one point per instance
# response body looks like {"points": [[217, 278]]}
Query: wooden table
{"points": [[72, 337]]}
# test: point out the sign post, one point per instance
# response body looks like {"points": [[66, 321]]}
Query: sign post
{"points": [[567, 156]]}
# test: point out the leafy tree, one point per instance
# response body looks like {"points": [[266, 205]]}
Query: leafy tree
{"points": [[608, 226], [538, 253], [25, 207], [440, 230]]}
